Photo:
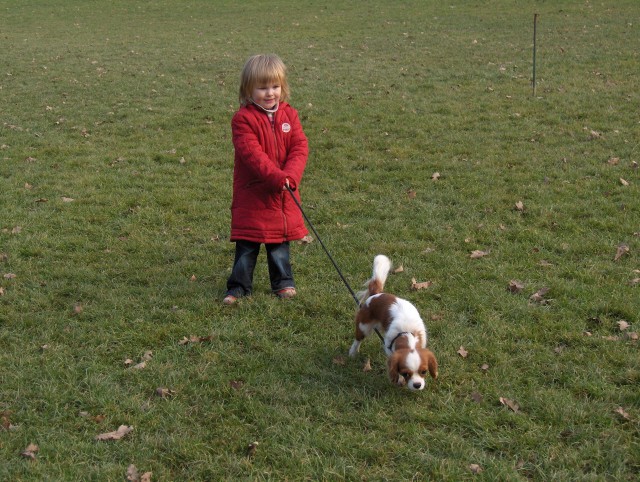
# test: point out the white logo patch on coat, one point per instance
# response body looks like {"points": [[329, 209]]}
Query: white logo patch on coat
{"points": [[286, 127]]}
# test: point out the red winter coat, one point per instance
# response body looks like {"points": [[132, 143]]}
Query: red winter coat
{"points": [[265, 156]]}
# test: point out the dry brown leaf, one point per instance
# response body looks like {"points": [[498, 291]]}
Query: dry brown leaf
{"points": [[635, 281], [622, 412], [115, 435], [77, 309], [515, 286], [2, 292], [623, 325], [411, 194], [477, 254], [632, 335], [545, 263], [251, 449], [435, 176], [193, 278], [367, 366], [128, 362], [148, 355], [538, 296], [339, 360], [462, 352], [9, 276], [613, 161], [595, 135], [475, 469], [477, 397], [132, 473], [510, 403], [399, 269], [520, 206], [195, 339], [67, 199], [164, 392], [146, 477], [16, 230], [485, 367], [621, 251], [419, 286], [139, 366], [624, 182], [30, 451], [236, 384]]}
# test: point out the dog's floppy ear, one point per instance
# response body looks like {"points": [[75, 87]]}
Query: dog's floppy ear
{"points": [[432, 364], [393, 369]]}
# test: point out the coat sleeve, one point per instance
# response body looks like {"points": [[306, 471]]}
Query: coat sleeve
{"points": [[298, 151], [251, 154]]}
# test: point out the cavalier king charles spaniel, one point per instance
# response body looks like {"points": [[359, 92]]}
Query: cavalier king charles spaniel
{"points": [[405, 335]]}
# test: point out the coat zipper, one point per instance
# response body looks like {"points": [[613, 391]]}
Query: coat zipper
{"points": [[282, 194]]}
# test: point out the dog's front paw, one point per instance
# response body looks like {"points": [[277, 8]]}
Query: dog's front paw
{"points": [[401, 381], [353, 351]]}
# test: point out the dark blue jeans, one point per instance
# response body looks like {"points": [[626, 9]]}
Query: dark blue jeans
{"points": [[240, 283]]}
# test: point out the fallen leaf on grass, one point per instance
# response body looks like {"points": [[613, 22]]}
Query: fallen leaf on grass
{"points": [[5, 422], [477, 397], [9, 276], [515, 286], [251, 449], [415, 286], [462, 352], [411, 194], [538, 296], [435, 176], [621, 411], [367, 366], [115, 435], [339, 360], [67, 199], [30, 451], [195, 339], [399, 269], [613, 161], [2, 291], [623, 325], [632, 335], [475, 469], [236, 384], [134, 476], [519, 206], [484, 367], [477, 254], [624, 182], [164, 392], [621, 251], [139, 366], [510, 403], [193, 278]]}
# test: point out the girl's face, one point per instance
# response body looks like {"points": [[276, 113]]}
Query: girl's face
{"points": [[267, 95]]}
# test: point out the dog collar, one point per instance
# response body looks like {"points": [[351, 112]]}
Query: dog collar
{"points": [[396, 337]]}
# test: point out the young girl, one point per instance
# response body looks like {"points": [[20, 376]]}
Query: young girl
{"points": [[270, 156]]}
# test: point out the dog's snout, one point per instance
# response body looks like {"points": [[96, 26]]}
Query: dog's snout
{"points": [[417, 385]]}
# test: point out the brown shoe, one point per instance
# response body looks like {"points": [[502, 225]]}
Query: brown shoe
{"points": [[286, 293]]}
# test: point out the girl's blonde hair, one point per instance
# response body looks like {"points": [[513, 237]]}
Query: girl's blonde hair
{"points": [[263, 69]]}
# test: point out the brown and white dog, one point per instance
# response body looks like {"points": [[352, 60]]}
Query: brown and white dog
{"points": [[405, 335]]}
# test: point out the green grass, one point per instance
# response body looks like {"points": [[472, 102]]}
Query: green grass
{"points": [[125, 108]]}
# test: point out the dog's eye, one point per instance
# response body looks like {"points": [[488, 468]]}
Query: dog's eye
{"points": [[423, 372], [406, 375]]}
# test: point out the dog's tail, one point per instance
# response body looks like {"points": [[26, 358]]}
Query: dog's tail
{"points": [[375, 285]]}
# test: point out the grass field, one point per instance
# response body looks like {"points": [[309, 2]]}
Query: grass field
{"points": [[115, 184]]}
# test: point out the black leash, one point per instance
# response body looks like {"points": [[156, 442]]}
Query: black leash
{"points": [[335, 265]]}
